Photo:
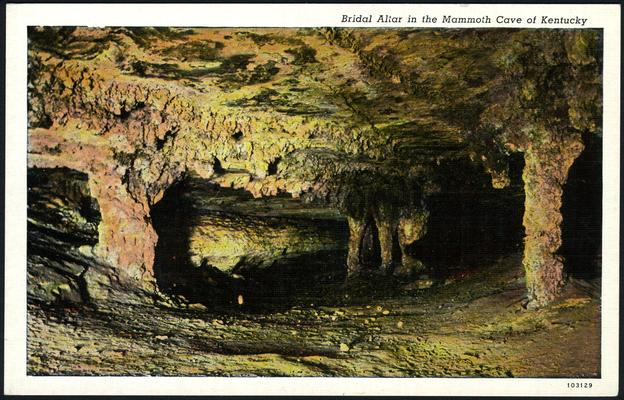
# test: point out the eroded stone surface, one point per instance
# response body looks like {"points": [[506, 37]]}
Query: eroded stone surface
{"points": [[546, 170], [479, 329], [358, 118]]}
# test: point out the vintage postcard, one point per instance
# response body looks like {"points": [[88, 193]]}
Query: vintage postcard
{"points": [[312, 199]]}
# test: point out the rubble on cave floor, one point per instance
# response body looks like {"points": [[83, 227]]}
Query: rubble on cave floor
{"points": [[461, 326]]}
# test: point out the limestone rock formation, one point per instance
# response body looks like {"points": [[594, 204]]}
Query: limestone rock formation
{"points": [[226, 242], [356, 119], [232, 232], [63, 220]]}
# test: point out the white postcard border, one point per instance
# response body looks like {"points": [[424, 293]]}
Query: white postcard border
{"points": [[19, 16]]}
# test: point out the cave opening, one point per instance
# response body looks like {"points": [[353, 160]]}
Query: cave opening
{"points": [[472, 224], [370, 254], [221, 247], [582, 213]]}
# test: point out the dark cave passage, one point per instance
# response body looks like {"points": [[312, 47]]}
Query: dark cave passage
{"points": [[471, 223], [582, 212], [217, 243]]}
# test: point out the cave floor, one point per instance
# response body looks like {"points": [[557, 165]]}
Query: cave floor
{"points": [[470, 326]]}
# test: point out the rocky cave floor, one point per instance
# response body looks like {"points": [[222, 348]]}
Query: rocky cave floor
{"points": [[470, 325], [300, 319]]}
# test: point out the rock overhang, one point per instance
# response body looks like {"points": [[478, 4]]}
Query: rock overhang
{"points": [[339, 114]]}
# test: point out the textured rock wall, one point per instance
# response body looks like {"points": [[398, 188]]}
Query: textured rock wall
{"points": [[357, 118], [233, 243], [63, 222], [545, 173]]}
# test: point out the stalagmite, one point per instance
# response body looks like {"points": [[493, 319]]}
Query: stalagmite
{"points": [[412, 227], [545, 173], [386, 228], [356, 234], [126, 236]]}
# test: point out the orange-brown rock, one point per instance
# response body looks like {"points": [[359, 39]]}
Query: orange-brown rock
{"points": [[339, 115]]}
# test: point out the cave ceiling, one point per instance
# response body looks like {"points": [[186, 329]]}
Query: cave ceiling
{"points": [[280, 109]]}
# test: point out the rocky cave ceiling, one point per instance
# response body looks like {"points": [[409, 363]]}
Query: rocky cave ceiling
{"points": [[355, 118]]}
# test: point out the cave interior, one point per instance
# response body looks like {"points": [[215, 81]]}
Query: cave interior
{"points": [[470, 226], [330, 192]]}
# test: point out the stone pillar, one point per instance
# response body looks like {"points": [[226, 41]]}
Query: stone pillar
{"points": [[545, 172], [412, 227], [127, 239], [356, 234], [385, 230]]}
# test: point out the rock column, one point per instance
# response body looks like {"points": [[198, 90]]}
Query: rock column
{"points": [[126, 236], [385, 229], [545, 172], [356, 234]]}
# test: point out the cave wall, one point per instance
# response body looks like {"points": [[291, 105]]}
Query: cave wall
{"points": [[347, 116], [60, 211], [63, 221]]}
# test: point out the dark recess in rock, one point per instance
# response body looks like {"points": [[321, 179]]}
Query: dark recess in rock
{"points": [[470, 222], [582, 213], [268, 276]]}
